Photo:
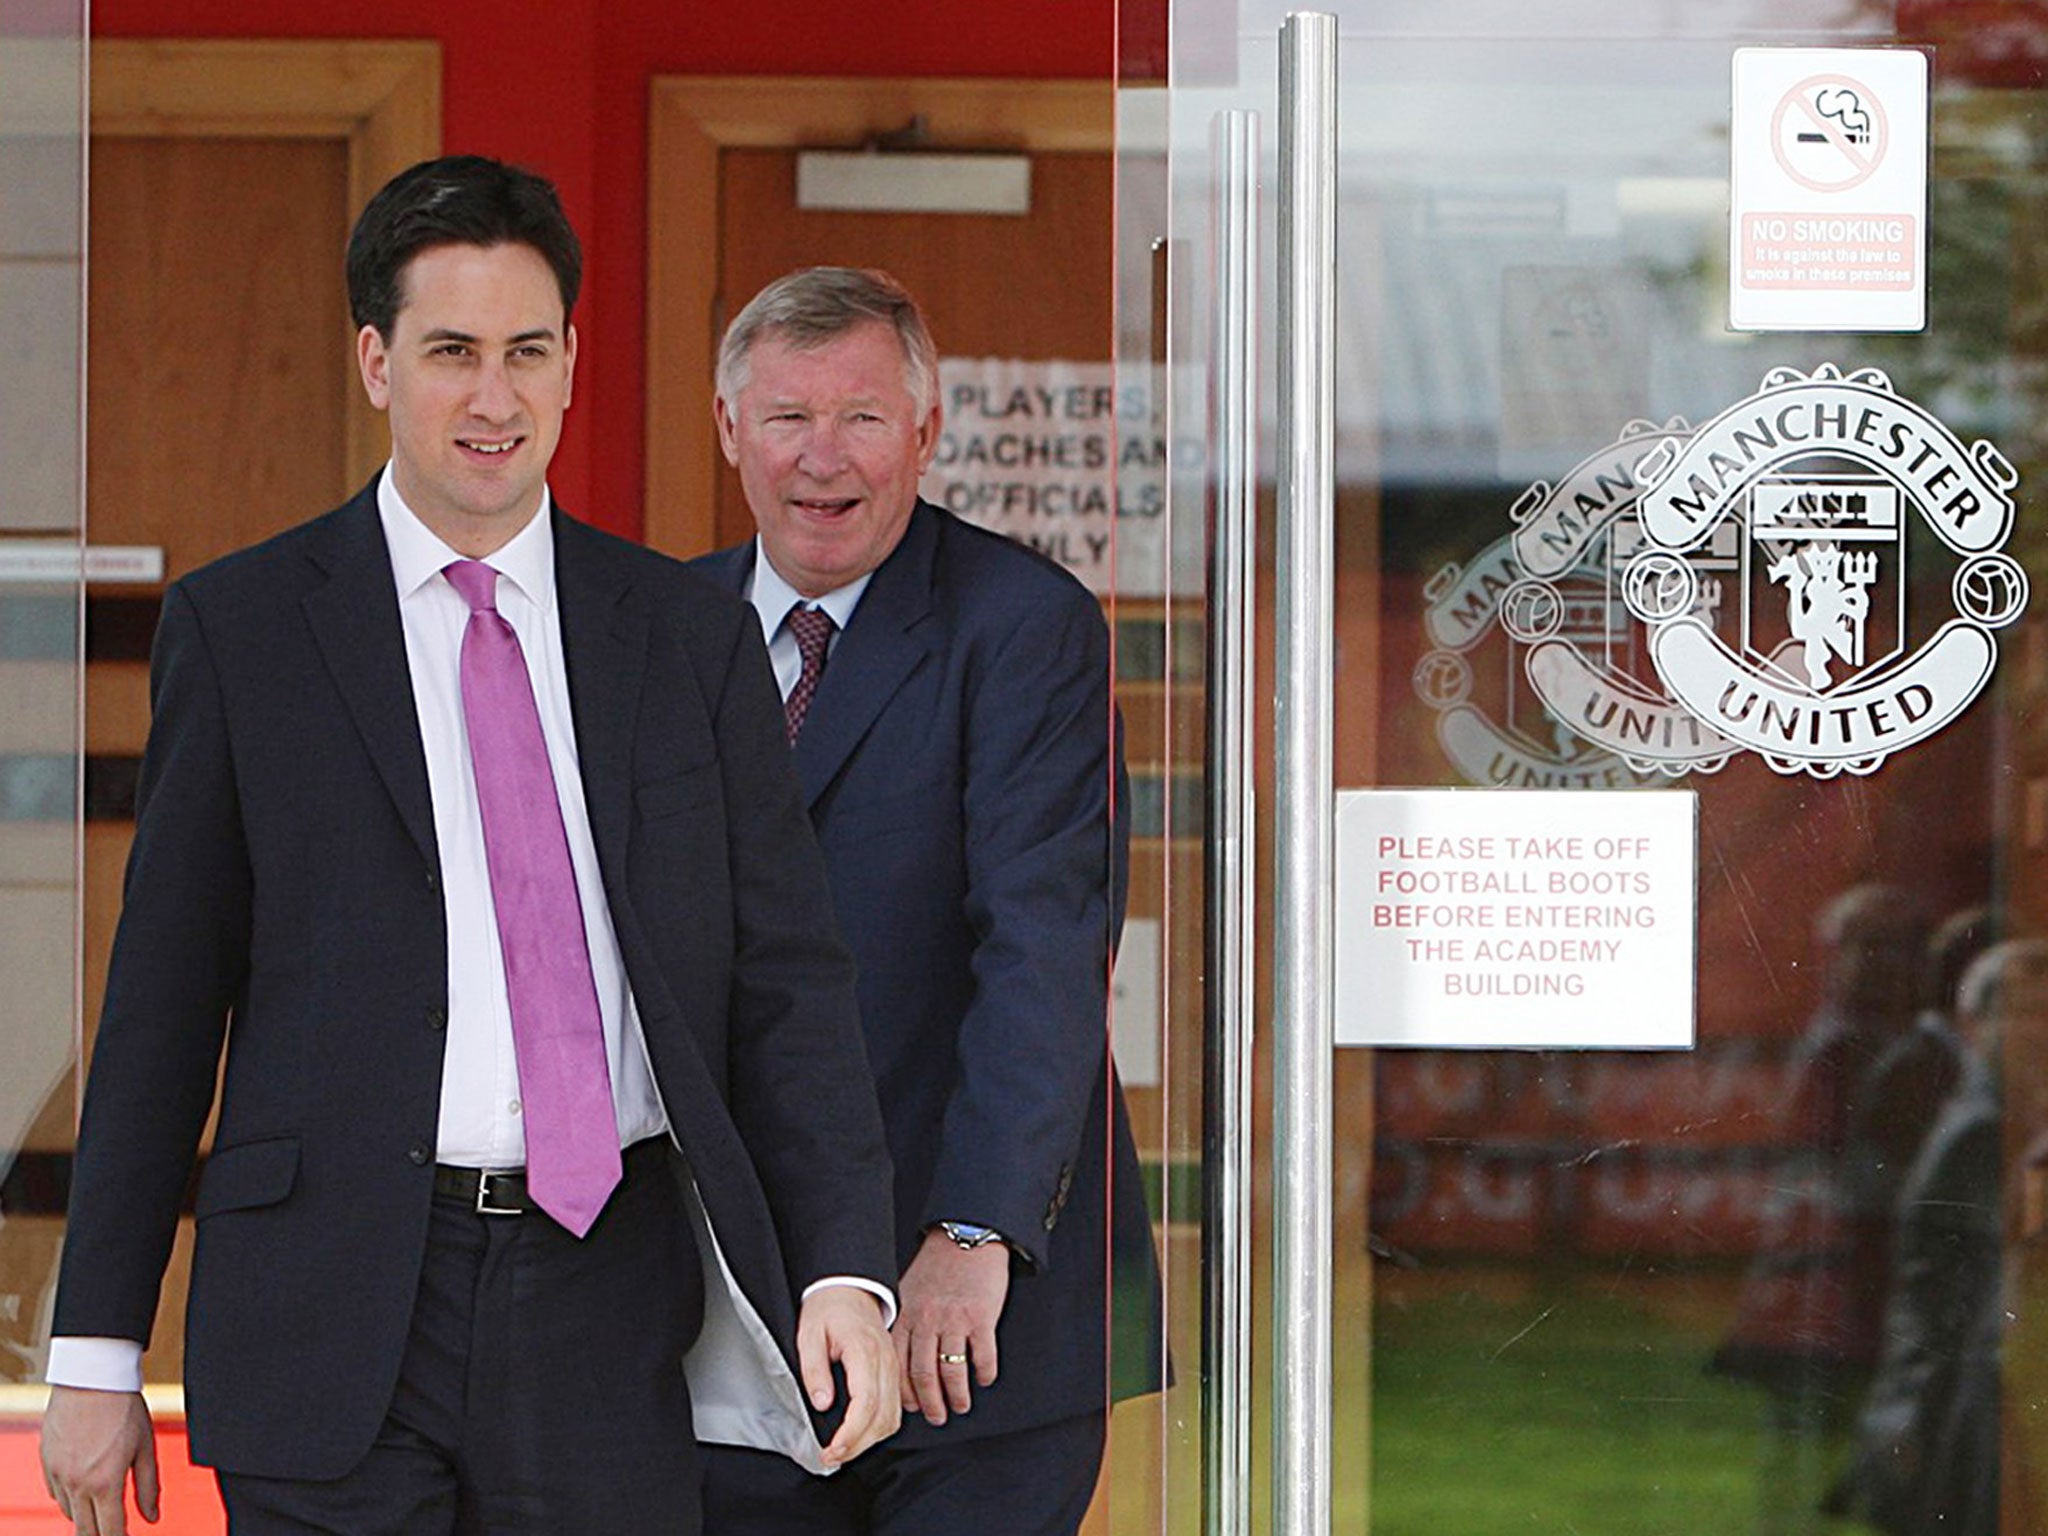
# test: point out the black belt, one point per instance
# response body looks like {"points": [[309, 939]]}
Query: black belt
{"points": [[487, 1191], [502, 1191]]}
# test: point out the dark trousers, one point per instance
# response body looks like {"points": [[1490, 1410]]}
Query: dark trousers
{"points": [[542, 1387], [1029, 1482]]}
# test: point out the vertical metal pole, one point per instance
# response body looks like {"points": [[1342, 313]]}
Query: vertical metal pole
{"points": [[1303, 862], [1232, 842]]}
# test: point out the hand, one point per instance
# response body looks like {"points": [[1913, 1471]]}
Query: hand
{"points": [[92, 1442], [843, 1324], [951, 1297]]}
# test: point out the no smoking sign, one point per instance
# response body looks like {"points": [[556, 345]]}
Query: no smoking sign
{"points": [[1828, 133], [1828, 190]]}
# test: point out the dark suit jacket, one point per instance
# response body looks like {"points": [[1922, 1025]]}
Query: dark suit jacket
{"points": [[959, 768], [284, 873]]}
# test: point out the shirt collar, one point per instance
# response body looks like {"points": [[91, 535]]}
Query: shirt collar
{"points": [[418, 554], [773, 597]]}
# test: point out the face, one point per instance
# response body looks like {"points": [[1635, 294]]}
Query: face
{"points": [[475, 377], [829, 443]]}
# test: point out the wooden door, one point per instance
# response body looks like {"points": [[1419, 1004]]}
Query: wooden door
{"points": [[222, 402], [217, 377], [1035, 286]]}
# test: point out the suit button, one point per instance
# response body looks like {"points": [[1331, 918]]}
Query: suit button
{"points": [[418, 1155], [437, 1018], [433, 880]]}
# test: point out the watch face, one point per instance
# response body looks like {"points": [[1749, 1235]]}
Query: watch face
{"points": [[967, 1234]]}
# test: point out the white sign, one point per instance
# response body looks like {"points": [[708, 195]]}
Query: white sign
{"points": [[1827, 224], [1056, 456], [1136, 1013], [1517, 919], [46, 561]]}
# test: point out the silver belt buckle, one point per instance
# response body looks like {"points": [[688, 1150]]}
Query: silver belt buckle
{"points": [[484, 1207]]}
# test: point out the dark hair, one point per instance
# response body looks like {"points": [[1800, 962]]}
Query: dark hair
{"points": [[457, 200]]}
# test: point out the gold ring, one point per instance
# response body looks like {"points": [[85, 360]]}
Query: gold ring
{"points": [[946, 1359]]}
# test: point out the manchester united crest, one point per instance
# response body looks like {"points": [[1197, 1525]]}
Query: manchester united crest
{"points": [[1771, 569], [1489, 721], [1587, 659]]}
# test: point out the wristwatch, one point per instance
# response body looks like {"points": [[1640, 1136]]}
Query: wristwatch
{"points": [[969, 1235]]}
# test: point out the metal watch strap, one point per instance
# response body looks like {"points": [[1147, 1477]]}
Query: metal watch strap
{"points": [[967, 1234]]}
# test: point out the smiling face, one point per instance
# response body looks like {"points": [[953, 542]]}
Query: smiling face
{"points": [[475, 376], [829, 442]]}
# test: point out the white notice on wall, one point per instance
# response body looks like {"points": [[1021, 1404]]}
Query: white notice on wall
{"points": [[1136, 1018], [1827, 226], [1059, 456], [1516, 919]]}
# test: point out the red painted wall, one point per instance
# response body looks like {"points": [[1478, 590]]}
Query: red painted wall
{"points": [[561, 86]]}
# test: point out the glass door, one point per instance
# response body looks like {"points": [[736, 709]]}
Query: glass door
{"points": [[42, 784], [1630, 489]]}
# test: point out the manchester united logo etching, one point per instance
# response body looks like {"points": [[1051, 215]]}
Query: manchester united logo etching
{"points": [[1595, 676], [1687, 594], [1477, 618], [1824, 667]]}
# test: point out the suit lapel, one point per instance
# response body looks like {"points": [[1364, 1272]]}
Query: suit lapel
{"points": [[883, 645], [354, 618], [604, 647]]}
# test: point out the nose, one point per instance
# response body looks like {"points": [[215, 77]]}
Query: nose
{"points": [[494, 399], [824, 452]]}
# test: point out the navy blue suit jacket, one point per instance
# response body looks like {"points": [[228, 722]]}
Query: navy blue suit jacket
{"points": [[285, 875], [960, 761]]}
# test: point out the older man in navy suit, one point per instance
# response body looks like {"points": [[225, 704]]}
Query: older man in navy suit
{"points": [[478, 825], [947, 696]]}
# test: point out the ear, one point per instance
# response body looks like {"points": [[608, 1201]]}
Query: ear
{"points": [[569, 368], [928, 437], [728, 430], [375, 363]]}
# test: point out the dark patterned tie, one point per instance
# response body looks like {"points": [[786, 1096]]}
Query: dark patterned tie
{"points": [[812, 628]]}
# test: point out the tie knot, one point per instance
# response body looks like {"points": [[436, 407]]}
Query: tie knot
{"points": [[812, 628], [477, 583]]}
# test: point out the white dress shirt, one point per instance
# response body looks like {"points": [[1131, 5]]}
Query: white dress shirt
{"points": [[480, 1124], [773, 597]]}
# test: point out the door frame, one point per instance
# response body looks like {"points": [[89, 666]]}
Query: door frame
{"points": [[692, 120], [382, 100]]}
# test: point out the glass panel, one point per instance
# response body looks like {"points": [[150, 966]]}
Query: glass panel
{"points": [[1161, 634], [1784, 1281], [42, 270]]}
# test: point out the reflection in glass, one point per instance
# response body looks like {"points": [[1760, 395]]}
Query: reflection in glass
{"points": [[41, 291]]}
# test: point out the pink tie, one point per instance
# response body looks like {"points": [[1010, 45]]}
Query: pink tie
{"points": [[572, 1137], [812, 628]]}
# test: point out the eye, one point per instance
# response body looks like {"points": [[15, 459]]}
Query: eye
{"points": [[449, 349]]}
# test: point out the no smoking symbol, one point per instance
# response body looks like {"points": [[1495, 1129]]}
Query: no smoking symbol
{"points": [[1829, 133]]}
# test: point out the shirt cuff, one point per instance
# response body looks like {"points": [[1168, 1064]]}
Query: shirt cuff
{"points": [[101, 1365], [880, 1292]]}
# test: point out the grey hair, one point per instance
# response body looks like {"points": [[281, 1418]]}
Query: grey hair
{"points": [[817, 305]]}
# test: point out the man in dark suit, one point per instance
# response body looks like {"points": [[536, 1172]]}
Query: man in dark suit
{"points": [[472, 832], [948, 701]]}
